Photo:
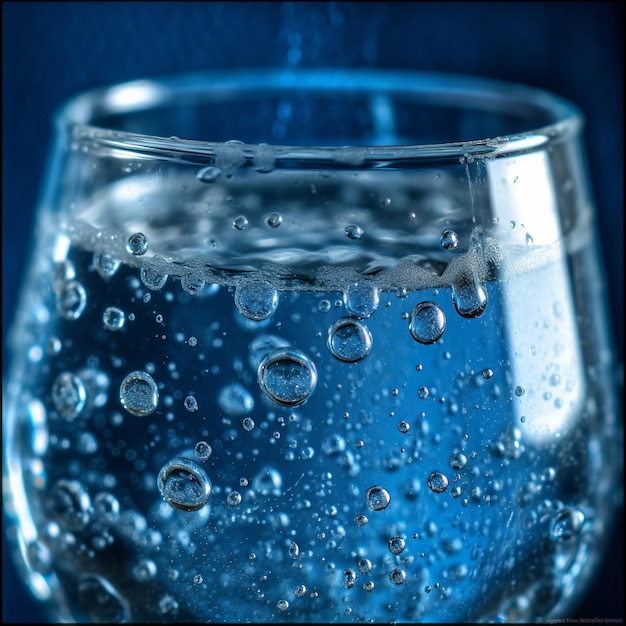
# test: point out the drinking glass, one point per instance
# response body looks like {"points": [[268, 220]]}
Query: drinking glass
{"points": [[302, 346]]}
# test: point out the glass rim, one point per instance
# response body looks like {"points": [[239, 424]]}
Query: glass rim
{"points": [[77, 115]]}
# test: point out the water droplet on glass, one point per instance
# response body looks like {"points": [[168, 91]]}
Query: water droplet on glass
{"points": [[449, 240], [139, 393], [377, 498], [427, 322], [184, 484], [354, 232], [113, 318], [209, 174], [287, 376], [137, 244], [567, 525], [71, 300], [256, 300], [438, 482], [349, 340], [361, 299], [69, 395], [469, 297]]}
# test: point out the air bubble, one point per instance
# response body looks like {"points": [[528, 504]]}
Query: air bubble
{"points": [[354, 232], [71, 300], [233, 498], [377, 498], [361, 299], [71, 504], [487, 373], [458, 461], [113, 318], [438, 482], [203, 450], [248, 424], [469, 297], [144, 569], [69, 395], [139, 394], [282, 605], [256, 300], [349, 340], [240, 222], [349, 578], [235, 400], [100, 601], [567, 525], [449, 240], [137, 244], [192, 284], [361, 520], [287, 376], [396, 545], [294, 550], [300, 591], [397, 576], [184, 484], [209, 174], [105, 264], [274, 220], [427, 322], [152, 279], [365, 566], [191, 404]]}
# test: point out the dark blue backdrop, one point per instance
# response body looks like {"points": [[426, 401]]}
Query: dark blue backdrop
{"points": [[51, 50]]}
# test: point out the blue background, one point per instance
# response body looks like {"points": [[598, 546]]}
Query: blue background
{"points": [[52, 50]]}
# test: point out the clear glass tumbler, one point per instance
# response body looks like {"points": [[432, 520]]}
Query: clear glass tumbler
{"points": [[313, 346]]}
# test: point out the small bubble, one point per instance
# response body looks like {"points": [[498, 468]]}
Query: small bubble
{"points": [[458, 461], [69, 395], [519, 391], [71, 504], [423, 392], [144, 570], [349, 340], [248, 424], [105, 264], [349, 578], [233, 498], [240, 222], [300, 591], [487, 373], [469, 297], [192, 284], [235, 400], [192, 341], [404, 427], [397, 576], [282, 605], [377, 498], [191, 404], [567, 525], [197, 579], [354, 232], [139, 393], [152, 279], [208, 174], [113, 318], [365, 566], [427, 322], [361, 299], [71, 300], [369, 585], [294, 550], [287, 376], [274, 220], [203, 450], [184, 484], [256, 300], [396, 545], [438, 482], [449, 240], [137, 244], [361, 520]]}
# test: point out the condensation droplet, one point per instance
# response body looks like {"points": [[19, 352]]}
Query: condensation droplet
{"points": [[427, 322], [139, 393], [449, 239], [69, 395], [184, 484], [71, 300], [287, 376], [113, 318], [256, 300], [349, 340], [361, 299], [438, 482], [137, 244], [377, 498]]}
